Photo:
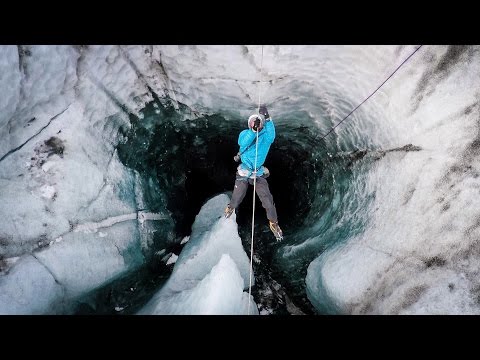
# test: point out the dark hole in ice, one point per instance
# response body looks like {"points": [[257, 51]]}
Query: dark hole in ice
{"points": [[191, 160]]}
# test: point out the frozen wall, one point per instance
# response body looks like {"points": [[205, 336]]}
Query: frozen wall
{"points": [[67, 201]]}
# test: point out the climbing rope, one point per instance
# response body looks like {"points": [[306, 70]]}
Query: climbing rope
{"points": [[323, 137], [254, 189], [260, 84], [369, 96]]}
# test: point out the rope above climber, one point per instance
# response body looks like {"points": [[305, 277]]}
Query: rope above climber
{"points": [[254, 146]]}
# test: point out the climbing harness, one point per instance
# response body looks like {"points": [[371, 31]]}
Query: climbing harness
{"points": [[245, 174]]}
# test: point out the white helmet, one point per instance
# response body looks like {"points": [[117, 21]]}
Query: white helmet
{"points": [[252, 118]]}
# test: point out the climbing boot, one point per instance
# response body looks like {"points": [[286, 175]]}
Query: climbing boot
{"points": [[276, 230], [228, 211]]}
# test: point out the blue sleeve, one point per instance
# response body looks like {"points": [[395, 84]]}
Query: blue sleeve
{"points": [[270, 131], [245, 138]]}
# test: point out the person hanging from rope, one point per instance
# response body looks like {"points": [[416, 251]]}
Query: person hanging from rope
{"points": [[263, 124]]}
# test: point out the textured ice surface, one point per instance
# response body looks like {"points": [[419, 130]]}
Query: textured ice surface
{"points": [[417, 253], [220, 292], [211, 272], [212, 235], [83, 261], [59, 171], [63, 106], [29, 289]]}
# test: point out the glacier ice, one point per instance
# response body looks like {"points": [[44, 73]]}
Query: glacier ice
{"points": [[220, 292], [210, 273], [416, 201], [30, 289], [388, 233], [59, 168]]}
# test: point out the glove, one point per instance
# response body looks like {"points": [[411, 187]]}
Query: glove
{"points": [[263, 111], [256, 125]]}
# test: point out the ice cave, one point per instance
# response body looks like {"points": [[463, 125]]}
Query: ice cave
{"points": [[116, 163]]}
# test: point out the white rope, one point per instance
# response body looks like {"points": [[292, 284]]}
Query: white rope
{"points": [[260, 85], [254, 189]]}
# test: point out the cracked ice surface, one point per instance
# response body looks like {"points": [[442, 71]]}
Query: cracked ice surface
{"points": [[29, 289], [82, 96], [62, 107]]}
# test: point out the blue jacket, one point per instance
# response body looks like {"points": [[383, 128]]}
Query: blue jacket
{"points": [[265, 139]]}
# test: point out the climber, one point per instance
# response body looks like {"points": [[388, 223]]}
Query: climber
{"points": [[245, 173]]}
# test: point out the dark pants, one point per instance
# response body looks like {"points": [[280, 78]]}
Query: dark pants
{"points": [[263, 192]]}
